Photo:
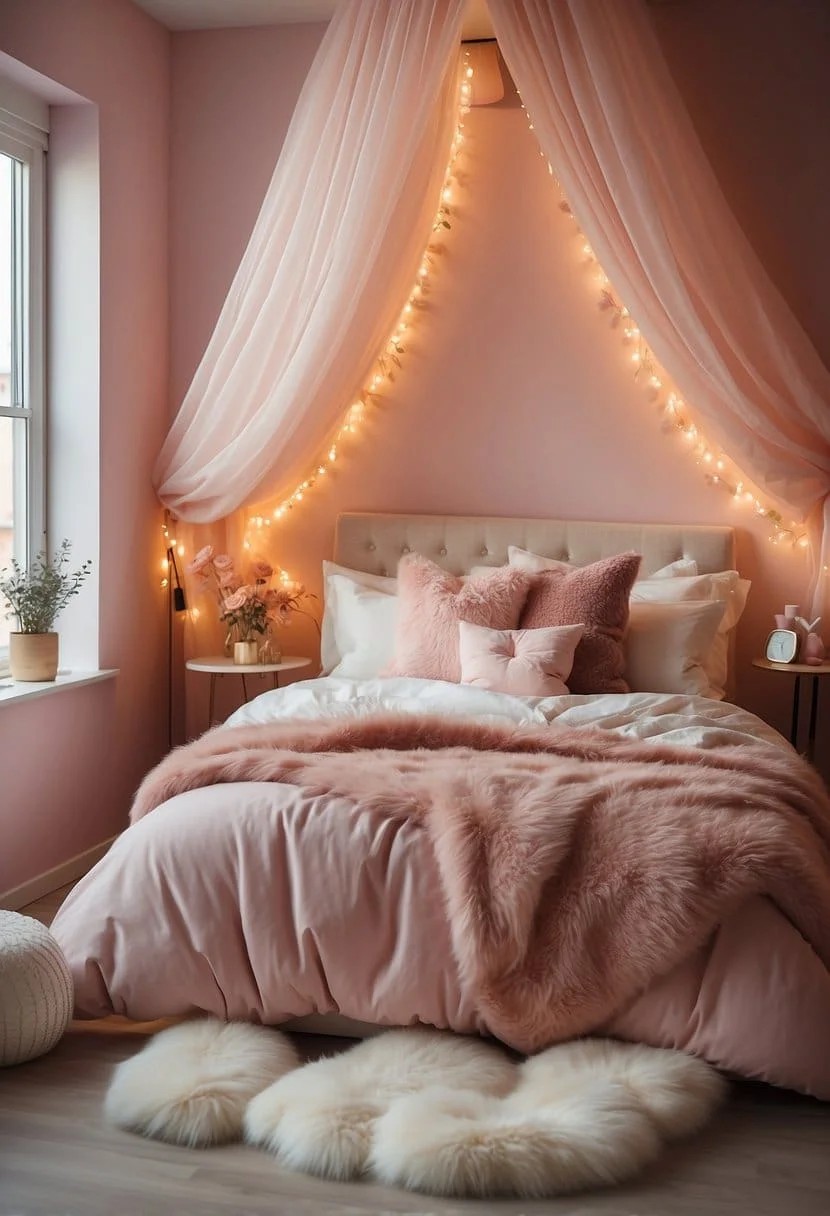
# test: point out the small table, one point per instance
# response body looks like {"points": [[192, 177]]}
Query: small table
{"points": [[219, 665], [798, 670]]}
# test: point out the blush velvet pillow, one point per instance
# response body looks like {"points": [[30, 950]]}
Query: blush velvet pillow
{"points": [[597, 597], [524, 662], [431, 602]]}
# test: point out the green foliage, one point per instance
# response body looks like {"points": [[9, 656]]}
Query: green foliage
{"points": [[36, 596]]}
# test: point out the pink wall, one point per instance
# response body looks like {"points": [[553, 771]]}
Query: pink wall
{"points": [[70, 761], [515, 398]]}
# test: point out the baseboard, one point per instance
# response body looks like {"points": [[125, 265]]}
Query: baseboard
{"points": [[44, 884]]}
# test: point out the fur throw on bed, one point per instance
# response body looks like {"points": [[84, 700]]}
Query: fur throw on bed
{"points": [[577, 867]]}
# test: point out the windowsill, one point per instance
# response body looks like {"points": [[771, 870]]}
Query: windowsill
{"points": [[12, 693]]}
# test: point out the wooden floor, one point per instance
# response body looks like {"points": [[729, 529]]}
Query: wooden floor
{"points": [[766, 1154]]}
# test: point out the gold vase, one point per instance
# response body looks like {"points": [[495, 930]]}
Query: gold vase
{"points": [[33, 657], [246, 653]]}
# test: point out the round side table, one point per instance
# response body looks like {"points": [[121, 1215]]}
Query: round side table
{"points": [[219, 665], [798, 670]]}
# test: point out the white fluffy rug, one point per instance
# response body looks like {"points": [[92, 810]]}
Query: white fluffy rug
{"points": [[320, 1119], [584, 1114], [191, 1083], [423, 1109]]}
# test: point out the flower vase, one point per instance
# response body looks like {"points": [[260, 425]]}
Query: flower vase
{"points": [[245, 653], [269, 653]]}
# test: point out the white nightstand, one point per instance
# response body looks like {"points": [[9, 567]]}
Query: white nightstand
{"points": [[218, 665]]}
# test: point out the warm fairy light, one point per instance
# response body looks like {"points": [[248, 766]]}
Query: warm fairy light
{"points": [[648, 371], [390, 358]]}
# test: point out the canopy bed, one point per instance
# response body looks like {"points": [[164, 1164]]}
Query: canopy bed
{"points": [[307, 860], [395, 842]]}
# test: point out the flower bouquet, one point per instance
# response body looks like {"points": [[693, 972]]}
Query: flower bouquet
{"points": [[249, 607]]}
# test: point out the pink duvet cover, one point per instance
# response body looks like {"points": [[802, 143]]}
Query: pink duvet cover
{"points": [[268, 902]]}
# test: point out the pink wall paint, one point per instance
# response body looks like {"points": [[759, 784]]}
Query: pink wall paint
{"points": [[515, 398], [70, 761]]}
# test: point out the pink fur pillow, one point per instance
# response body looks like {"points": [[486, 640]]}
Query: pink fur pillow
{"points": [[596, 596], [524, 662], [431, 602]]}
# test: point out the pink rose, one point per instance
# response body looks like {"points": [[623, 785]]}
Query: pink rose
{"points": [[229, 581], [223, 562], [261, 570], [201, 561], [236, 601]]}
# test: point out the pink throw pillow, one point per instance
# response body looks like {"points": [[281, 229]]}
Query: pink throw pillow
{"points": [[524, 662], [597, 597], [431, 602]]}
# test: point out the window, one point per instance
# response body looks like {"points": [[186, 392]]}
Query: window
{"points": [[22, 411]]}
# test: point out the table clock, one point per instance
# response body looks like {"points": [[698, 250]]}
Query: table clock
{"points": [[782, 646]]}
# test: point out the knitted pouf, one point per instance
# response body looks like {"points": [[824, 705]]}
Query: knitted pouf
{"points": [[35, 989]]}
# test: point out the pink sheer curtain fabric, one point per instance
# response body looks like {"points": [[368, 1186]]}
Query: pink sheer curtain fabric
{"points": [[330, 262], [611, 122]]}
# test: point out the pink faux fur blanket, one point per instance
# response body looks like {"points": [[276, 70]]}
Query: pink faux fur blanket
{"points": [[577, 867]]}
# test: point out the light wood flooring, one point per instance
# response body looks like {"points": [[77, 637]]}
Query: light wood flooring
{"points": [[766, 1154]]}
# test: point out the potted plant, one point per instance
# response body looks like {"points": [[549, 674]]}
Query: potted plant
{"points": [[35, 597]]}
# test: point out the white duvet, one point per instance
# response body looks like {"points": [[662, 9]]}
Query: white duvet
{"points": [[663, 717]]}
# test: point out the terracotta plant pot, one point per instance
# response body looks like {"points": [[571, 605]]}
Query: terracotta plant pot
{"points": [[33, 657]]}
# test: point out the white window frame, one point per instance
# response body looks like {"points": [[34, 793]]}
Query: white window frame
{"points": [[27, 144]]}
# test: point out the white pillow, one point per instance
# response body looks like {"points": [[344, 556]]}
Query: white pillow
{"points": [[330, 655], [667, 645], [363, 626], [728, 588], [523, 559]]}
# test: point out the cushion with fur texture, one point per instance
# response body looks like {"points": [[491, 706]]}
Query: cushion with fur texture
{"points": [[432, 602], [595, 596], [190, 1084]]}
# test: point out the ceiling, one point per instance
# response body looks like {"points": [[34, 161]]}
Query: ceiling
{"points": [[215, 14]]}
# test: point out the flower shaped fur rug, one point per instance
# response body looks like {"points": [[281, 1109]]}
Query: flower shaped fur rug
{"points": [[423, 1109]]}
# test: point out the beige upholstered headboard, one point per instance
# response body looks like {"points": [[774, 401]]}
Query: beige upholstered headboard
{"points": [[375, 543]]}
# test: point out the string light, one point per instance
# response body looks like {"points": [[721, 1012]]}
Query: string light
{"points": [[169, 543], [390, 359], [648, 372]]}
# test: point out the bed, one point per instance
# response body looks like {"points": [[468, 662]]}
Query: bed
{"points": [[316, 880]]}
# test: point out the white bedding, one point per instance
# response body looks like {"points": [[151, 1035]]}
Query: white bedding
{"points": [[662, 717]]}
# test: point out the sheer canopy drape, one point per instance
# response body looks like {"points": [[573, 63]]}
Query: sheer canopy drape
{"points": [[331, 259], [611, 122], [349, 210]]}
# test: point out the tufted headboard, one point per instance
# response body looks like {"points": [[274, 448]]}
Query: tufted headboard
{"points": [[375, 543]]}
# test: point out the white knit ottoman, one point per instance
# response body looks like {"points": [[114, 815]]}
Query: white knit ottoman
{"points": [[35, 989]]}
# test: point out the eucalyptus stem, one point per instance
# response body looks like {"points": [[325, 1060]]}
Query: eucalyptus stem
{"points": [[35, 596]]}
